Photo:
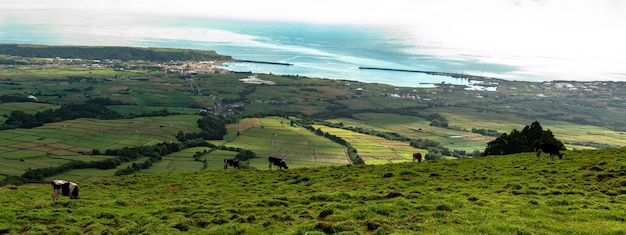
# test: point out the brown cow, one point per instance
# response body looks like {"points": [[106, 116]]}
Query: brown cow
{"points": [[417, 156]]}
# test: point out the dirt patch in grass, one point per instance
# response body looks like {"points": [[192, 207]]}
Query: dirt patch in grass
{"points": [[245, 124]]}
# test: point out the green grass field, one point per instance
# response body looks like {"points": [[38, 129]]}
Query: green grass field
{"points": [[273, 136], [56, 143], [375, 150], [584, 193]]}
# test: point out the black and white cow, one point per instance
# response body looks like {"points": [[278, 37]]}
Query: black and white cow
{"points": [[278, 162], [547, 148], [66, 188], [231, 162]]}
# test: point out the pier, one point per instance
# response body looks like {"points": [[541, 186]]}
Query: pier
{"points": [[263, 62], [454, 75]]}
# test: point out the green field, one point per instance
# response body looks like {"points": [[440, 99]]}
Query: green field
{"points": [[273, 136], [584, 193], [56, 143], [375, 150]]}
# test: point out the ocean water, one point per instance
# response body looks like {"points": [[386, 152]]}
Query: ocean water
{"points": [[314, 50]]}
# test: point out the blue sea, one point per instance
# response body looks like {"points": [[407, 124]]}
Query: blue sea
{"points": [[314, 50]]}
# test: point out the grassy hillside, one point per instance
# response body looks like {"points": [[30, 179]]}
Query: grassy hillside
{"points": [[585, 193]]}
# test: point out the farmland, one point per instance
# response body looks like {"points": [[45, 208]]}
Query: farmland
{"points": [[57, 143], [141, 89]]}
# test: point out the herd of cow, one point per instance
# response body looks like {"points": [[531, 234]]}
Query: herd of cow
{"points": [[70, 189], [272, 160]]}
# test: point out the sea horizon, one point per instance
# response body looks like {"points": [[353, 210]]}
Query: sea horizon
{"points": [[334, 51]]}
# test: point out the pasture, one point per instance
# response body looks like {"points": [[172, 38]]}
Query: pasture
{"points": [[416, 128], [274, 136], [56, 143], [581, 194], [373, 149], [573, 135]]}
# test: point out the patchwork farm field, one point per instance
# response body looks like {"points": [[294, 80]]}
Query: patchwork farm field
{"points": [[274, 136], [375, 150], [57, 143], [417, 128], [576, 136]]}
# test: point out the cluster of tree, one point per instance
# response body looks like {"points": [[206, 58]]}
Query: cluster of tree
{"points": [[486, 132], [212, 128], [159, 113], [154, 154], [521, 141], [94, 108], [41, 173], [435, 150], [104, 101], [198, 155], [437, 120], [242, 154], [72, 79], [14, 98], [336, 110], [12, 62], [19, 119], [110, 52]]}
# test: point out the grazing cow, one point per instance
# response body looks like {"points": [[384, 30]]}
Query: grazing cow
{"points": [[231, 162], [278, 162], [66, 188], [547, 148], [417, 156]]}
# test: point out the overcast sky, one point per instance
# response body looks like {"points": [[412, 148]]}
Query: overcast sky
{"points": [[370, 11], [589, 33]]}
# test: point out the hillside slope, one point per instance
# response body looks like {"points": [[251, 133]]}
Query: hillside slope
{"points": [[585, 193]]}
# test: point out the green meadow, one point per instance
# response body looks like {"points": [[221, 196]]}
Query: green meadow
{"points": [[274, 136], [584, 193], [373, 149], [57, 143]]}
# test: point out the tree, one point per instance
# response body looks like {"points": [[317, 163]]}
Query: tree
{"points": [[245, 155], [213, 127], [521, 141]]}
